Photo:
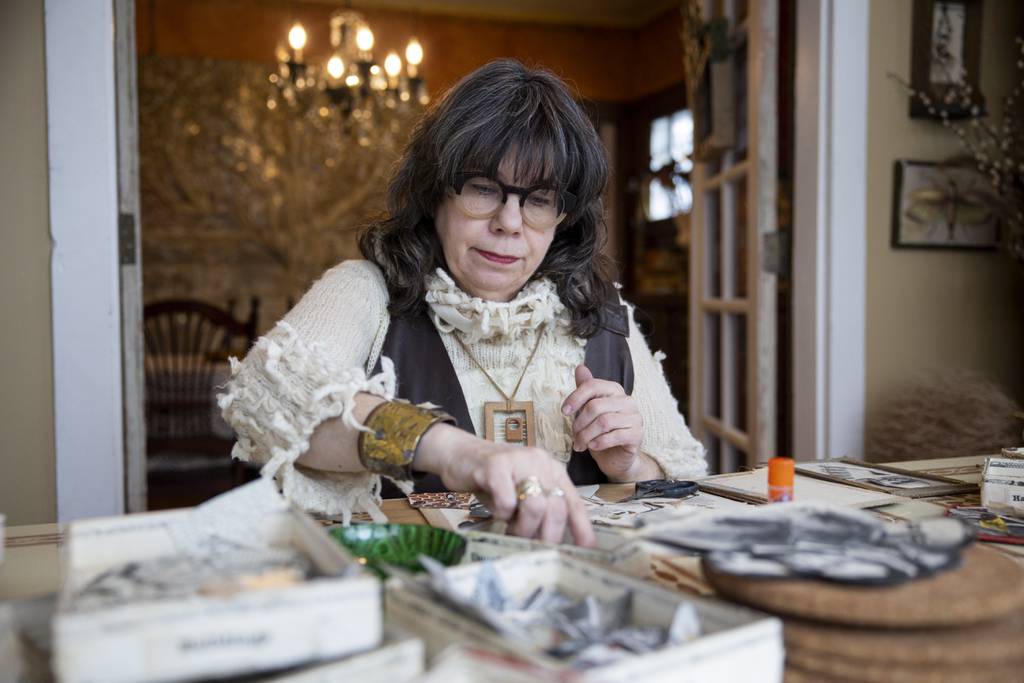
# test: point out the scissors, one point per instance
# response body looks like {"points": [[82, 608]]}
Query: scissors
{"points": [[662, 488]]}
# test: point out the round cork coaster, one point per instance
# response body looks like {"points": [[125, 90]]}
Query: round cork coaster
{"points": [[990, 642], [795, 674], [987, 586], [830, 667]]}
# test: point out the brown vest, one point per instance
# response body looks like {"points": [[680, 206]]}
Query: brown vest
{"points": [[424, 372]]}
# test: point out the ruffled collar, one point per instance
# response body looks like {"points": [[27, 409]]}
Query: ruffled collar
{"points": [[478, 319]]}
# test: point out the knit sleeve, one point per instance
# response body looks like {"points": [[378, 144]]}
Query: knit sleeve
{"points": [[666, 437], [308, 369]]}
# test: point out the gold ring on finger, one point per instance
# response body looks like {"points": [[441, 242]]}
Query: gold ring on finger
{"points": [[529, 488]]}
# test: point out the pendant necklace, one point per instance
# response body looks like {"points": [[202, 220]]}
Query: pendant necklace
{"points": [[510, 421]]}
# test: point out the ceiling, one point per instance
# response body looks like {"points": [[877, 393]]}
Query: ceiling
{"points": [[611, 13]]}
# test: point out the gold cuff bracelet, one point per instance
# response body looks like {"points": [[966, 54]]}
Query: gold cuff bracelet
{"points": [[396, 429]]}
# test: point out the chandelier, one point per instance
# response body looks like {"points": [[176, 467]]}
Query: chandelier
{"points": [[367, 97]]}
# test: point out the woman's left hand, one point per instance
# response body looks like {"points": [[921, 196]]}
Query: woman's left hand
{"points": [[608, 423]]}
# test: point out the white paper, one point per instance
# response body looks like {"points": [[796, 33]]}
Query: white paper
{"points": [[238, 517]]}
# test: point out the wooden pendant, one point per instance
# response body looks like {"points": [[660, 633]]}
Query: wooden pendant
{"points": [[510, 422]]}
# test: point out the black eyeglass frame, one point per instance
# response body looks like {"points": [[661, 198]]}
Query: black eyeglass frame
{"points": [[566, 200]]}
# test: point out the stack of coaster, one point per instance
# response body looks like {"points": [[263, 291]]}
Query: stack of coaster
{"points": [[962, 624]]}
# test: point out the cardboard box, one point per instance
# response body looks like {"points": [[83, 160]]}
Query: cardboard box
{"points": [[737, 644], [326, 617], [398, 660], [1002, 485], [625, 553]]}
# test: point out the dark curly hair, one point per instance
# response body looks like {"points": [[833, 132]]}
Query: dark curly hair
{"points": [[501, 109]]}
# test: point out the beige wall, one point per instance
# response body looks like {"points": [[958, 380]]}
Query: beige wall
{"points": [[27, 470], [931, 309]]}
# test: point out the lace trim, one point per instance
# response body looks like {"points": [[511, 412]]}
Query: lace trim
{"points": [[277, 398], [478, 319]]}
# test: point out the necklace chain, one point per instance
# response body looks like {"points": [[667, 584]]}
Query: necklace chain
{"points": [[508, 399]]}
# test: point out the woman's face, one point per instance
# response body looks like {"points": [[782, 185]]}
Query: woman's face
{"points": [[491, 258]]}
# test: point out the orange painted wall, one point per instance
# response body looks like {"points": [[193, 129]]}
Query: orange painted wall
{"points": [[605, 64]]}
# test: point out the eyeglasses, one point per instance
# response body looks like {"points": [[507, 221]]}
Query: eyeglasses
{"points": [[482, 197]]}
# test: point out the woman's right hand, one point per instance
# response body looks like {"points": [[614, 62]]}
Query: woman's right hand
{"points": [[495, 472]]}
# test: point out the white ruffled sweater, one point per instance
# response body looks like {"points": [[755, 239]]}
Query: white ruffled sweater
{"points": [[312, 364]]}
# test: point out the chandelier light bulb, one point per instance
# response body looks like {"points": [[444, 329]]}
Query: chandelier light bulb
{"points": [[393, 64], [364, 39], [348, 82], [297, 37], [335, 67], [414, 52]]}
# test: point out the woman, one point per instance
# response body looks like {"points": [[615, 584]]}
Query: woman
{"points": [[484, 292]]}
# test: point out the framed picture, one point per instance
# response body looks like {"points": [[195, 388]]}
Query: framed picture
{"points": [[945, 53], [942, 206], [884, 478], [509, 422]]}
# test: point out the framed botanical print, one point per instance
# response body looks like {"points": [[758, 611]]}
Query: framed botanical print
{"points": [[942, 206], [946, 55]]}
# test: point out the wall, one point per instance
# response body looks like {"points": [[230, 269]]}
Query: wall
{"points": [[928, 309], [27, 470], [605, 64]]}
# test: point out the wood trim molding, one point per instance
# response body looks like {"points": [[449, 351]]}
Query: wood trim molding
{"points": [[86, 306], [829, 239]]}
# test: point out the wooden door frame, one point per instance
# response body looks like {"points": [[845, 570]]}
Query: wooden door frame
{"points": [[760, 168], [130, 250], [829, 235]]}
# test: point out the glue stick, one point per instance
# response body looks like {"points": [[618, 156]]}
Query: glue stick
{"points": [[780, 480]]}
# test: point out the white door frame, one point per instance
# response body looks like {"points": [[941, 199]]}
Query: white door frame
{"points": [[86, 303], [829, 228]]}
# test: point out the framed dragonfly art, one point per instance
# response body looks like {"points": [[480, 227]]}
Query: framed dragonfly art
{"points": [[943, 206]]}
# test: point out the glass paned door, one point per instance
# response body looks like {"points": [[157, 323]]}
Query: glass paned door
{"points": [[733, 331]]}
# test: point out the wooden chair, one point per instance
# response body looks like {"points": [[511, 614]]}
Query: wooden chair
{"points": [[187, 345]]}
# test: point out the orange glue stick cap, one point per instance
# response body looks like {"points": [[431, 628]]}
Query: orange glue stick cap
{"points": [[780, 480]]}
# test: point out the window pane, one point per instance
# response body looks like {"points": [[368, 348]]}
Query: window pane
{"points": [[740, 83], [712, 365], [712, 244], [737, 410], [671, 144], [682, 137], [730, 457], [660, 143], [713, 445], [683, 195], [739, 253], [659, 202]]}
